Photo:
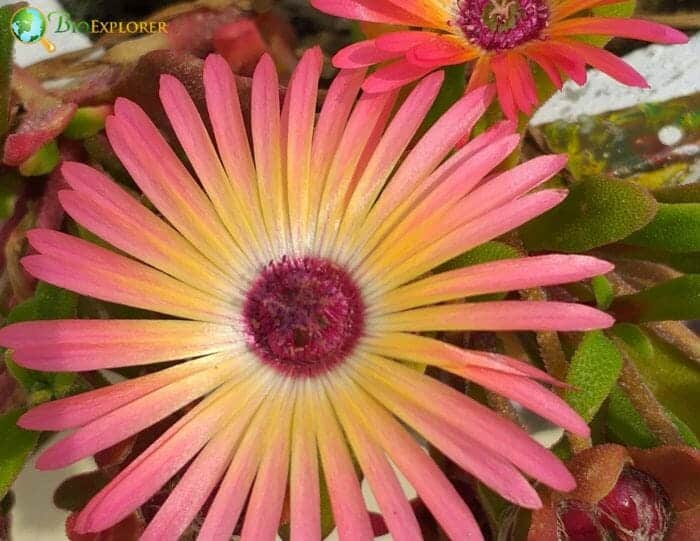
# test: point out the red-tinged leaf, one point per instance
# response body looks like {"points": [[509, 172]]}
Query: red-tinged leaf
{"points": [[45, 118], [129, 529], [241, 44]]}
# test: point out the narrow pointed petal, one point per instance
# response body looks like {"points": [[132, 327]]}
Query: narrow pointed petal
{"points": [[395, 75], [565, 58], [81, 409], [434, 489], [440, 51], [304, 491], [88, 269], [530, 395], [522, 83], [493, 277], [362, 54], [129, 419], [490, 468], [376, 11], [395, 508], [78, 345], [402, 41], [349, 511], [100, 204], [159, 462], [499, 315], [423, 350], [266, 500], [194, 138], [621, 28], [506, 96], [546, 64], [609, 64], [495, 432]]}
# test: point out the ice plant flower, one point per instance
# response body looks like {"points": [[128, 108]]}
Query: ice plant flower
{"points": [[294, 276], [505, 37]]}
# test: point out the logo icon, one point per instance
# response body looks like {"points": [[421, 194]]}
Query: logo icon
{"points": [[28, 25]]}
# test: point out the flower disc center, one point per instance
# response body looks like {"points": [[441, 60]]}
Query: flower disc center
{"points": [[496, 25], [303, 315]]}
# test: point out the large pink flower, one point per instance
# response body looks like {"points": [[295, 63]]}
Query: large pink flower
{"points": [[505, 37], [295, 277]]}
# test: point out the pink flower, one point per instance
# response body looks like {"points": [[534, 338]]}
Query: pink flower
{"points": [[294, 279], [505, 37]]}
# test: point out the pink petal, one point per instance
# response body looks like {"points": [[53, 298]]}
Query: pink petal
{"points": [[438, 494], [100, 205], [505, 92], [142, 478], [388, 151], [402, 41], [425, 156], [621, 28], [78, 410], [494, 432], [301, 98], [78, 345], [522, 83], [130, 419], [349, 511], [465, 451], [530, 395], [196, 485], [166, 182], [435, 246], [394, 76], [565, 58], [262, 517], [229, 128], [510, 185], [85, 268], [610, 64], [496, 276], [395, 508], [195, 141], [547, 65], [378, 11], [362, 54], [499, 315], [304, 490], [440, 51]]}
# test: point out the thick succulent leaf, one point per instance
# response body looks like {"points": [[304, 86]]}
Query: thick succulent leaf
{"points": [[489, 251], [626, 426], [681, 193], [595, 213], [675, 228], [87, 121], [674, 380], [17, 444], [603, 292], [42, 162], [674, 300], [635, 338], [594, 369]]}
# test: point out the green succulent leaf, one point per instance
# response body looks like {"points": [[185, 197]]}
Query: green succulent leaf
{"points": [[680, 193], [594, 369], [17, 445], [42, 162], [87, 121], [677, 299], [635, 338], [675, 228], [489, 251], [452, 89], [673, 379], [626, 426], [595, 213], [603, 292]]}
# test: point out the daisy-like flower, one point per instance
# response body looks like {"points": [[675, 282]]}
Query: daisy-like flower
{"points": [[295, 277], [505, 37]]}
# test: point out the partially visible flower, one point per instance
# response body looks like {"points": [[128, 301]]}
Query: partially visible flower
{"points": [[505, 37], [629, 494], [294, 277]]}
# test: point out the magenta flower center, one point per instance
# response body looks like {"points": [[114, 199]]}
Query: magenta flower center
{"points": [[303, 315], [496, 25]]}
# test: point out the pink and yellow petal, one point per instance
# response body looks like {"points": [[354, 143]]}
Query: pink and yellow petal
{"points": [[619, 27]]}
